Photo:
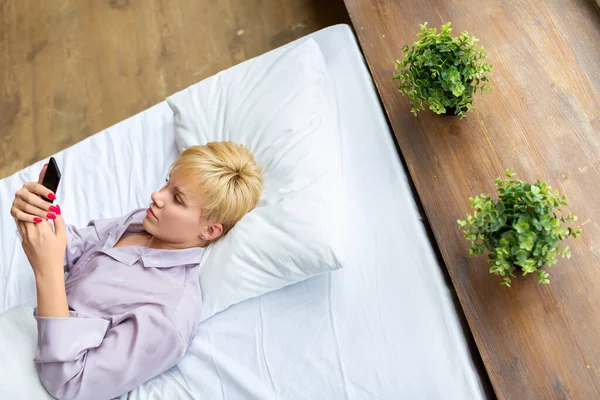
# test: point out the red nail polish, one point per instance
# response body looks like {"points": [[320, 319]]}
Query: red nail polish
{"points": [[37, 219], [58, 210], [52, 196], [54, 209], [51, 216]]}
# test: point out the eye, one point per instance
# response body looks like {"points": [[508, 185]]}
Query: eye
{"points": [[177, 199]]}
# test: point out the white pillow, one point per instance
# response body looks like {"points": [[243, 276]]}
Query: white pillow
{"points": [[275, 105]]}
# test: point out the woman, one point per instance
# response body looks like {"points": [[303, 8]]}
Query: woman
{"points": [[131, 301]]}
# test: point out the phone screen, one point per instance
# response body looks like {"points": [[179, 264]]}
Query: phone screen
{"points": [[52, 177]]}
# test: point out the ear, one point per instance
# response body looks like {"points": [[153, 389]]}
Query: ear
{"points": [[212, 232]]}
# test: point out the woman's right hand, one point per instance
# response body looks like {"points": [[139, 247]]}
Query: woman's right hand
{"points": [[28, 206]]}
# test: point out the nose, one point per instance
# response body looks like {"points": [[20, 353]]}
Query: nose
{"points": [[157, 199]]}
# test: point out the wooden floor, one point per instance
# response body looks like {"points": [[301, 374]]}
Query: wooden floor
{"points": [[70, 68]]}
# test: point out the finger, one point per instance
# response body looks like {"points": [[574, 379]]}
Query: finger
{"points": [[21, 216], [39, 189], [21, 228], [35, 206], [42, 174], [59, 226], [44, 226], [30, 229]]}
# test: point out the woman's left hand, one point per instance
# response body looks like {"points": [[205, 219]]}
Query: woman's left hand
{"points": [[45, 247]]}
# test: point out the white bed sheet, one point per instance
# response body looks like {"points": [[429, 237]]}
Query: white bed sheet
{"points": [[384, 327]]}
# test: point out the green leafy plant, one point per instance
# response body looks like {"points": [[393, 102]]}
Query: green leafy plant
{"points": [[443, 71], [520, 229]]}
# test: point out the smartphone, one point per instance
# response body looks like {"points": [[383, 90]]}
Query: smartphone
{"points": [[52, 177]]}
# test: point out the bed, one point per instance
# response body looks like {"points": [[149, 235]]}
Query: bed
{"points": [[383, 327]]}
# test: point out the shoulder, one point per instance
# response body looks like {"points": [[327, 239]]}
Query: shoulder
{"points": [[110, 224], [134, 216], [186, 314]]}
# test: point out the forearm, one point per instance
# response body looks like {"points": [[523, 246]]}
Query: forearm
{"points": [[51, 295], [81, 358]]}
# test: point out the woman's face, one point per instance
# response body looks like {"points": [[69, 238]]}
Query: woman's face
{"points": [[175, 218]]}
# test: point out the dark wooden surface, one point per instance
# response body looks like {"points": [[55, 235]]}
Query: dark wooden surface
{"points": [[70, 68], [543, 119]]}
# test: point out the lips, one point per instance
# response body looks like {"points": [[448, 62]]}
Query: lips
{"points": [[151, 213]]}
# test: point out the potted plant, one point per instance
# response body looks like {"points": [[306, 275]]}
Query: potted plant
{"points": [[443, 71], [520, 230]]}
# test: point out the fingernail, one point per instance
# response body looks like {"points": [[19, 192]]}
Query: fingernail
{"points": [[58, 211], [51, 216], [37, 219], [52, 196], [54, 209], [45, 165]]}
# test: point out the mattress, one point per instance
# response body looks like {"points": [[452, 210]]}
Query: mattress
{"points": [[383, 327]]}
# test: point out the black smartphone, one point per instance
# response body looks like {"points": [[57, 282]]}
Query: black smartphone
{"points": [[52, 177]]}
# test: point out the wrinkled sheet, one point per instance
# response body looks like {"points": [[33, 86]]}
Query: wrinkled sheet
{"points": [[383, 327]]}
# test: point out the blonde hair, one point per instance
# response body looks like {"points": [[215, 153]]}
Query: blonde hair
{"points": [[225, 176]]}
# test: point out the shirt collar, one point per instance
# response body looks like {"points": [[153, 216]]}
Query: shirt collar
{"points": [[155, 258]]}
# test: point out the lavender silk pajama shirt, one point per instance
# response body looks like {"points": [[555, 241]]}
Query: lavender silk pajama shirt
{"points": [[134, 311]]}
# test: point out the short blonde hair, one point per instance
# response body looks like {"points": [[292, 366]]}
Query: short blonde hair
{"points": [[225, 176]]}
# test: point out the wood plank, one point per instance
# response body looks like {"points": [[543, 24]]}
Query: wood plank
{"points": [[537, 342], [70, 68], [578, 23]]}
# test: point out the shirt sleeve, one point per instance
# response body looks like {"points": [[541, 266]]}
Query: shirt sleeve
{"points": [[84, 358]]}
